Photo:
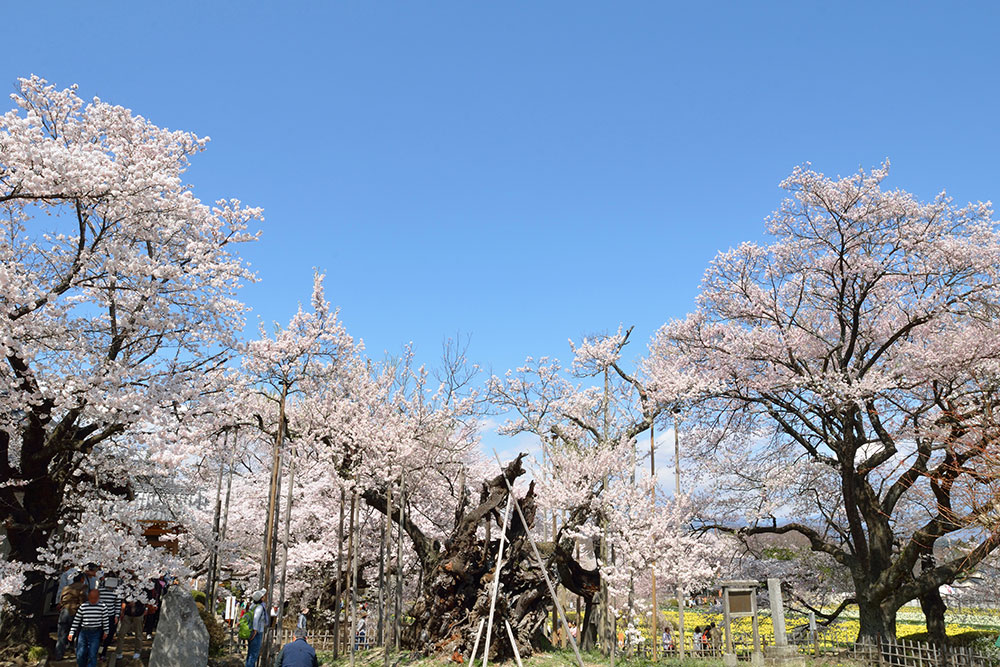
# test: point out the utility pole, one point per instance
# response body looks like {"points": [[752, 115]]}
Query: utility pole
{"points": [[626, 646], [229, 491], [399, 560], [383, 548], [340, 575], [273, 491], [213, 561], [555, 615], [216, 568], [677, 486], [288, 525], [352, 554], [383, 596], [271, 536], [652, 493], [607, 631]]}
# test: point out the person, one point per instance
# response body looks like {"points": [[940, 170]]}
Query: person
{"points": [[668, 639], [70, 598], [93, 579], [259, 622], [90, 628], [696, 639], [66, 578], [303, 619], [298, 652], [152, 617], [360, 639], [715, 638], [132, 613], [108, 593], [558, 638]]}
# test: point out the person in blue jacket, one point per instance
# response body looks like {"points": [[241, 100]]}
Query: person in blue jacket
{"points": [[298, 652]]}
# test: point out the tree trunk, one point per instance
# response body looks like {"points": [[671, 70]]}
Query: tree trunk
{"points": [[877, 622], [587, 628], [31, 511], [934, 608], [457, 579], [23, 622]]}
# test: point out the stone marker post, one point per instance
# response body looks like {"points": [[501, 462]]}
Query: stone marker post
{"points": [[781, 653], [181, 636], [777, 611]]}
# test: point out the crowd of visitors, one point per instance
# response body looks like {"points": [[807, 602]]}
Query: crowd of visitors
{"points": [[254, 621], [92, 610]]}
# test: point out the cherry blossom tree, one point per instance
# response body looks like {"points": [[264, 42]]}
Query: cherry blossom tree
{"points": [[843, 379], [587, 419], [403, 441], [118, 297]]}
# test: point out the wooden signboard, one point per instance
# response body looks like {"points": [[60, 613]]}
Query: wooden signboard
{"points": [[740, 602]]}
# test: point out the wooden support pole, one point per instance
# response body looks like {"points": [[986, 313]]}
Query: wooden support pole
{"points": [[541, 565], [513, 644], [475, 645], [496, 585]]}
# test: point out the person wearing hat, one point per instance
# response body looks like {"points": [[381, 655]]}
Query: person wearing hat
{"points": [[259, 622], [298, 652]]}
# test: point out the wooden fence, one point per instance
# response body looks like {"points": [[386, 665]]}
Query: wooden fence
{"points": [[325, 639], [906, 653], [887, 653]]}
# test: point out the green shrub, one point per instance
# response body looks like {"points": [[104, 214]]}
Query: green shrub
{"points": [[36, 653], [199, 597], [216, 632]]}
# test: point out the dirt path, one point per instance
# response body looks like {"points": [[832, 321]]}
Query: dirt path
{"points": [[125, 661]]}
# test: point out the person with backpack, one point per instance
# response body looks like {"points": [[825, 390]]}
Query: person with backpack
{"points": [[715, 638], [132, 613], [70, 599], [253, 625]]}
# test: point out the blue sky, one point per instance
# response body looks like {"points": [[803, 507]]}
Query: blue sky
{"points": [[526, 172]]}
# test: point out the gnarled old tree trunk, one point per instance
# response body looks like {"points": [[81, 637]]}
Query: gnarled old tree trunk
{"points": [[458, 576]]}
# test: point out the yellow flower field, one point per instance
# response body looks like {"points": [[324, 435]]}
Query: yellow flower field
{"points": [[843, 632]]}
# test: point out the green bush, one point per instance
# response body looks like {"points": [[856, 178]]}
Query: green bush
{"points": [[199, 597], [36, 653], [216, 632]]}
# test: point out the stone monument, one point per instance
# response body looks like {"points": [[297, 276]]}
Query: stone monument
{"points": [[781, 653], [181, 637]]}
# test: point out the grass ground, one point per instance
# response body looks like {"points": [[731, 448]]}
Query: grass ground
{"points": [[375, 658]]}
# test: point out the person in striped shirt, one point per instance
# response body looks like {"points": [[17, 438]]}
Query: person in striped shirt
{"points": [[90, 628], [112, 600]]}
